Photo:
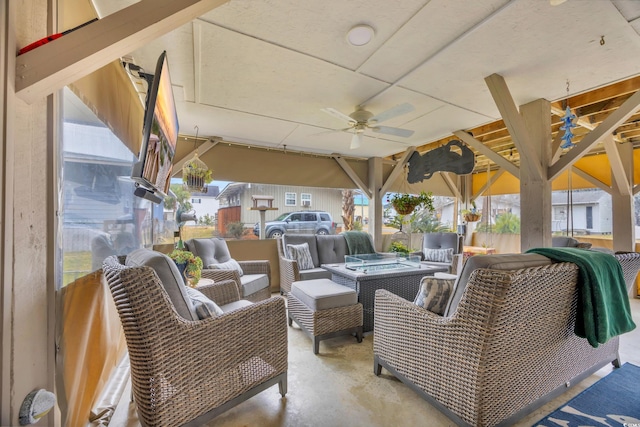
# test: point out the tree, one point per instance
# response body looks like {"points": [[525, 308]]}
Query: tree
{"points": [[348, 208], [183, 197], [206, 220], [507, 223]]}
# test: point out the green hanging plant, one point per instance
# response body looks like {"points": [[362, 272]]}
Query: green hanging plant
{"points": [[405, 203]]}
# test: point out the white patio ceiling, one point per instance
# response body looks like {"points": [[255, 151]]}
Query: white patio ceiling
{"points": [[260, 71]]}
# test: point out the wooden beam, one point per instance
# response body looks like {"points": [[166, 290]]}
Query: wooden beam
{"points": [[54, 65], [486, 151], [490, 181], [352, 175], [580, 121], [609, 124], [593, 180], [452, 185], [397, 170], [556, 150], [636, 189], [204, 147], [617, 167], [515, 123]]}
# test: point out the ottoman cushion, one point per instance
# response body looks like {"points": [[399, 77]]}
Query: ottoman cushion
{"points": [[322, 294]]}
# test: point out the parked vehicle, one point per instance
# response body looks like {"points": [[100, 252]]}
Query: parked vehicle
{"points": [[299, 222]]}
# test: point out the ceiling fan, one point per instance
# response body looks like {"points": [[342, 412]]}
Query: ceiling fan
{"points": [[361, 119]]}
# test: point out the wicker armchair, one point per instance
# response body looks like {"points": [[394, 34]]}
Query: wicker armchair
{"points": [[185, 372], [504, 349], [253, 284]]}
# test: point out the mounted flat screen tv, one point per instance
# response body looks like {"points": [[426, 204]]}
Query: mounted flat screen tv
{"points": [[152, 173]]}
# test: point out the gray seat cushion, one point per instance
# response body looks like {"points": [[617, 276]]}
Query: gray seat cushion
{"points": [[252, 283], [315, 273], [564, 242], [442, 241], [170, 277], [331, 248], [322, 294], [446, 265], [297, 239], [210, 251], [235, 305], [495, 262]]}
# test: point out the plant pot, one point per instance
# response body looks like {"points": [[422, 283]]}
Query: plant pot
{"points": [[404, 209], [471, 217]]}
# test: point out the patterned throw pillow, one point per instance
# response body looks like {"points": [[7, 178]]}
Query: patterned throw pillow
{"points": [[434, 294], [301, 254], [205, 308], [232, 264], [438, 255]]}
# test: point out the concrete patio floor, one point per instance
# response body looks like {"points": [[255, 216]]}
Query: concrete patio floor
{"points": [[338, 388]]}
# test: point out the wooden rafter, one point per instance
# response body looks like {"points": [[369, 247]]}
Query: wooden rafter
{"points": [[48, 68]]}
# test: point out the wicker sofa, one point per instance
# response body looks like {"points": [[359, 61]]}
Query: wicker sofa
{"points": [[324, 249], [253, 278], [505, 344], [186, 369]]}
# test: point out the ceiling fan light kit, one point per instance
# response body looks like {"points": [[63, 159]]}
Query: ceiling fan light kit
{"points": [[361, 119], [360, 35]]}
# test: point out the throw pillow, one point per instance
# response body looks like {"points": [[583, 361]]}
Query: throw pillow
{"points": [[434, 294], [301, 254], [232, 264], [438, 255], [205, 308]]}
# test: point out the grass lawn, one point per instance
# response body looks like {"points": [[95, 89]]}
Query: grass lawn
{"points": [[74, 265]]}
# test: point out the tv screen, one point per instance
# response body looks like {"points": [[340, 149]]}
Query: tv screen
{"points": [[160, 134]]}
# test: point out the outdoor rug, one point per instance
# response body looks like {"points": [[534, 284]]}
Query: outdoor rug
{"points": [[613, 401]]}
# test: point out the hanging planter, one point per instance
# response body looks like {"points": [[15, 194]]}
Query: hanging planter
{"points": [[471, 215], [196, 175], [404, 204]]}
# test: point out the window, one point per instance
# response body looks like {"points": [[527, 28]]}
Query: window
{"points": [[196, 200], [310, 217], [297, 217], [100, 215], [305, 199], [289, 199], [325, 217]]}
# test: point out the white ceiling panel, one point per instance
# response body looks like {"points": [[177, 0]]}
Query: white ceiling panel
{"points": [[242, 73], [438, 24], [535, 63], [317, 29]]}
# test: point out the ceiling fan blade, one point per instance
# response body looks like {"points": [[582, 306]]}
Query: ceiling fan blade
{"points": [[356, 141], [338, 114], [392, 112], [405, 133]]}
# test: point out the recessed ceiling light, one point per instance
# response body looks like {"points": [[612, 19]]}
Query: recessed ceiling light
{"points": [[360, 35]]}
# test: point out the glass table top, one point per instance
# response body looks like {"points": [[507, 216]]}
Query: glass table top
{"points": [[381, 262]]}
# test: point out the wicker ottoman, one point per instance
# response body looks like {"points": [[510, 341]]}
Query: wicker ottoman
{"points": [[324, 309]]}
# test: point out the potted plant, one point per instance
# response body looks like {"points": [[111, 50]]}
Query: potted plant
{"points": [[471, 215], [189, 265], [405, 203], [399, 247], [196, 175]]}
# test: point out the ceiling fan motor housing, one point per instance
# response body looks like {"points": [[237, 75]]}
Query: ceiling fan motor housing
{"points": [[361, 115]]}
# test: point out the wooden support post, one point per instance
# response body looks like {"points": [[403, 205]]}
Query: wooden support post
{"points": [[535, 190], [622, 198], [375, 207]]}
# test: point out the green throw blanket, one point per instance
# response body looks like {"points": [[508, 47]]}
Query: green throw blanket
{"points": [[603, 305], [358, 243]]}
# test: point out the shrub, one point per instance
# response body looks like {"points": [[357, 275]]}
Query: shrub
{"points": [[235, 229]]}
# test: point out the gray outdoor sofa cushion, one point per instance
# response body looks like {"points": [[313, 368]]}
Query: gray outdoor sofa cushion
{"points": [[170, 277]]}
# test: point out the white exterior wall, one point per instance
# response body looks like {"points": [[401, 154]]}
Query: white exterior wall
{"points": [[322, 199], [208, 205]]}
